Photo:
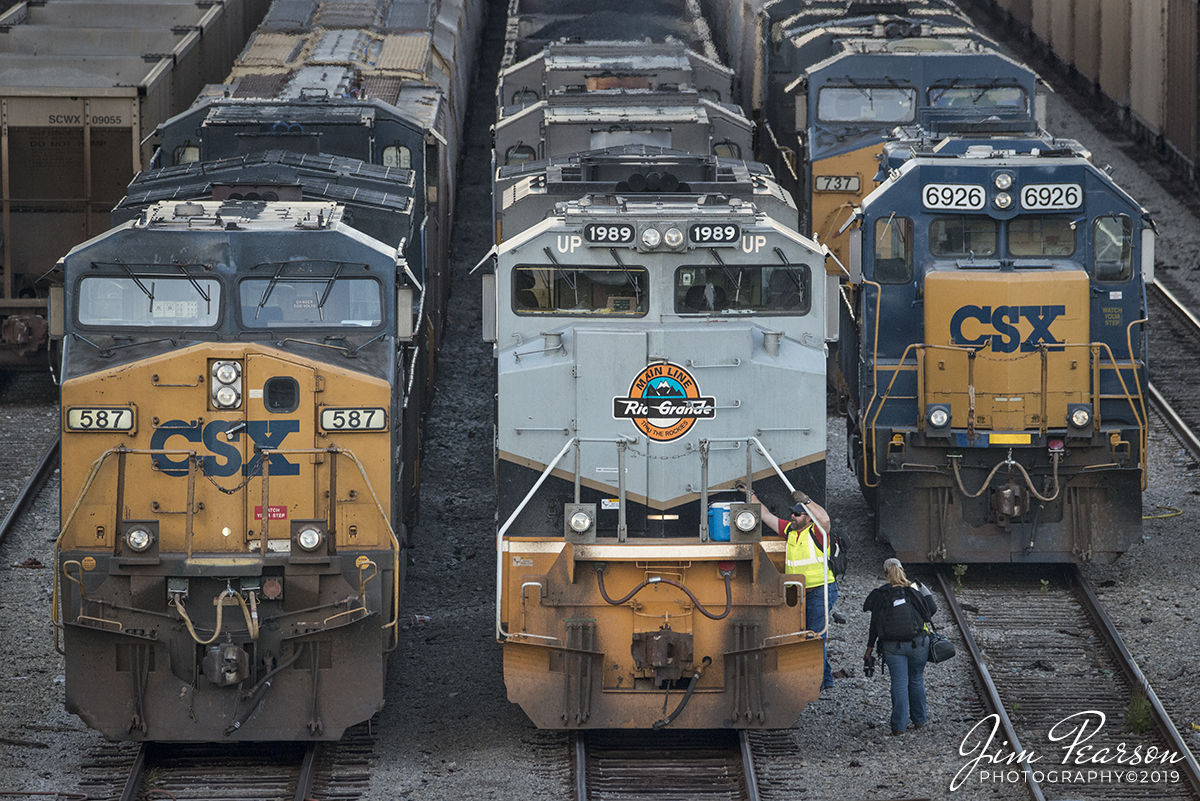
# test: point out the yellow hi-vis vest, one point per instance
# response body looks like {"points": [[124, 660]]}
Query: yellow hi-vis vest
{"points": [[804, 557]]}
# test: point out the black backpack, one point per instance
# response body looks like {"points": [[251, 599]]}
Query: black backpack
{"points": [[837, 553], [900, 615]]}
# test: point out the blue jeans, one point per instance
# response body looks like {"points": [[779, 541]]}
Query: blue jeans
{"points": [[906, 663], [814, 620]]}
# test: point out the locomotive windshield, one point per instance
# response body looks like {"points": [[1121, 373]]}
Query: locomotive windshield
{"points": [[1037, 235], [866, 104], [149, 301], [319, 301], [594, 290], [962, 235], [741, 289], [978, 97]]}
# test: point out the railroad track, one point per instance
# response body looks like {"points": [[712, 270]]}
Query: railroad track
{"points": [[28, 439], [1174, 342], [1061, 686], [700, 765], [266, 771]]}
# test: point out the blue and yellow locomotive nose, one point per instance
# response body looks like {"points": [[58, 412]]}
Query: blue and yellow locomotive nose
{"points": [[985, 334]]}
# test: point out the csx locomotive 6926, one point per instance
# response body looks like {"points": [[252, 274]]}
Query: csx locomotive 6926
{"points": [[994, 352], [229, 565]]}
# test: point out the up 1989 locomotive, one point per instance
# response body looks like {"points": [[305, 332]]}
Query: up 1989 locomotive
{"points": [[994, 351]]}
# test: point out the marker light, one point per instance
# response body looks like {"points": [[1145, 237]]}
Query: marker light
{"points": [[581, 522], [1080, 418], [139, 539], [746, 520], [651, 237], [309, 538], [938, 418]]}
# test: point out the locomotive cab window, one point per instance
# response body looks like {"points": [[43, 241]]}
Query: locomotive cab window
{"points": [[978, 97], [592, 290], [519, 154], [323, 301], [1038, 235], [1112, 248], [743, 289], [727, 150], [962, 236], [866, 104], [149, 301], [893, 250], [397, 156]]}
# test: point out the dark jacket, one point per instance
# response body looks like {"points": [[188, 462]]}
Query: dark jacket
{"points": [[922, 600]]}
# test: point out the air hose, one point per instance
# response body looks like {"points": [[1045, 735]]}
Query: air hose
{"points": [[662, 724]]}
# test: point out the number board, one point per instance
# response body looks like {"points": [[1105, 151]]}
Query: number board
{"points": [[608, 233], [100, 418], [356, 419], [956, 197], [836, 183], [1044, 197], [715, 233]]}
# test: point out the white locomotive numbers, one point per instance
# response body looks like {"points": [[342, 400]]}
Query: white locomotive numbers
{"points": [[362, 419], [1048, 197], [957, 197], [608, 233], [836, 183], [98, 418], [715, 234]]}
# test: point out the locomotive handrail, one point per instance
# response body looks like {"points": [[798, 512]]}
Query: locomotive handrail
{"points": [[1093, 392], [191, 454], [1145, 429]]}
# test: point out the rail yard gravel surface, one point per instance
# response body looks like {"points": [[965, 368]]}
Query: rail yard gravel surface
{"points": [[448, 731]]}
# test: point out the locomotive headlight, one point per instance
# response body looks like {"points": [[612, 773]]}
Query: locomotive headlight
{"points": [[139, 539], [673, 237], [1002, 200], [1003, 181], [651, 237], [745, 520], [309, 538], [1079, 415], [580, 521], [227, 372], [227, 397]]}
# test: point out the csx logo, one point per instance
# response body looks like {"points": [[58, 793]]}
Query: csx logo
{"points": [[267, 434], [1004, 321]]}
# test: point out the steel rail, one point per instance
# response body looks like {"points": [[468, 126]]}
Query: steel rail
{"points": [[1112, 637], [36, 481], [990, 691], [133, 785], [752, 793], [1185, 435], [308, 773], [581, 790]]}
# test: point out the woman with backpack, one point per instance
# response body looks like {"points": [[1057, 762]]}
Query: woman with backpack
{"points": [[899, 611]]}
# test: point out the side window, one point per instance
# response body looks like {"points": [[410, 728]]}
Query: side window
{"points": [[579, 291], [397, 156], [1112, 248], [187, 154], [524, 97], [893, 250], [519, 154], [727, 150]]}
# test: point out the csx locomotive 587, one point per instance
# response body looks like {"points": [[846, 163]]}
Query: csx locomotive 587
{"points": [[246, 360], [994, 352]]}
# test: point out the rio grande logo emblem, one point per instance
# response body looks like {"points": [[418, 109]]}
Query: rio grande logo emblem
{"points": [[664, 402]]}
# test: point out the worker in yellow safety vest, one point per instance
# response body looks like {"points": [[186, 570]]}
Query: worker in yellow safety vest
{"points": [[805, 556]]}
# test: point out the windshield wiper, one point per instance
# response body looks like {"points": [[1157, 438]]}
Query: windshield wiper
{"points": [[270, 287], [148, 292], [195, 285], [328, 288]]}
